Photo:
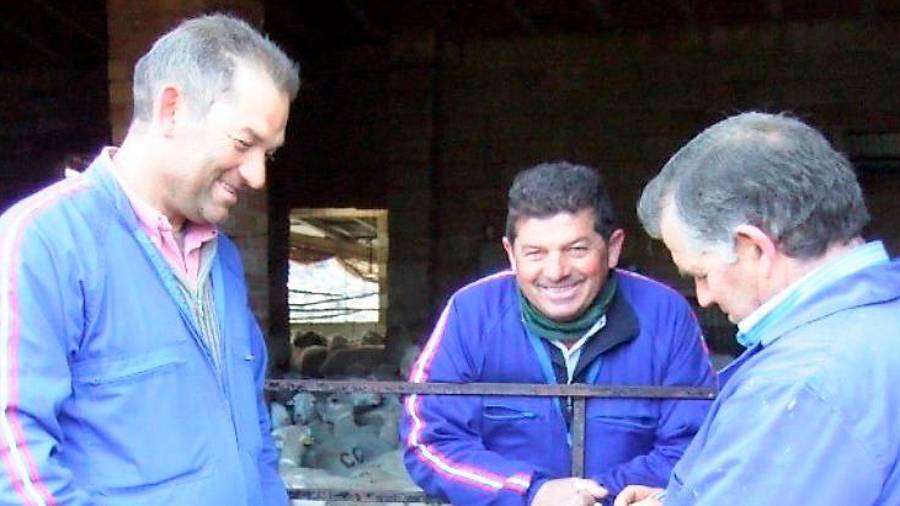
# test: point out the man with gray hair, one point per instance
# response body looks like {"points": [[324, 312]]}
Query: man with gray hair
{"points": [[766, 217], [131, 367], [563, 314]]}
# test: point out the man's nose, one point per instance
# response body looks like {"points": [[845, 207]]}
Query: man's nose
{"points": [[253, 170], [556, 266], [704, 297]]}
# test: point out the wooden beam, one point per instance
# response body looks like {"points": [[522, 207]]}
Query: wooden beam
{"points": [[31, 41], [368, 226], [776, 9], [337, 247], [359, 14], [68, 21], [687, 8], [601, 10], [340, 212], [521, 16], [868, 8]]}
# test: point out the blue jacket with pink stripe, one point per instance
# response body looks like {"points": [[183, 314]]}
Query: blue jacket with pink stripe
{"points": [[493, 450], [107, 393]]}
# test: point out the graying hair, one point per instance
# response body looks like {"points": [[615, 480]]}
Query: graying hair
{"points": [[200, 55], [548, 189], [771, 171]]}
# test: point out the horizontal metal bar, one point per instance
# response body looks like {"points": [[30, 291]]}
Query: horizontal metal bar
{"points": [[528, 389], [323, 494]]}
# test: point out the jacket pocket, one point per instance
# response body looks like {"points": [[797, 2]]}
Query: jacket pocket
{"points": [[675, 487], [245, 400], [626, 414], [105, 370], [637, 423], [139, 421], [619, 430], [514, 426], [505, 412]]}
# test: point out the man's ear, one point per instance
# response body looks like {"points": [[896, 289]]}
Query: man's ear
{"points": [[508, 246], [614, 247], [753, 244], [168, 109]]}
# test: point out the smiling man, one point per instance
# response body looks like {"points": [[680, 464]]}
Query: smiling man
{"points": [[563, 314], [767, 217], [131, 367]]}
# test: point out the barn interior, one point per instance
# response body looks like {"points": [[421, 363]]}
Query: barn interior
{"points": [[414, 115]]}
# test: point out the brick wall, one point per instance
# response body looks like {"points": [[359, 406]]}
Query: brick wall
{"points": [[435, 130]]}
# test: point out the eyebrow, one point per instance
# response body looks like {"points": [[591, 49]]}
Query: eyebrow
{"points": [[685, 272], [252, 133], [691, 273], [581, 240], [257, 139]]}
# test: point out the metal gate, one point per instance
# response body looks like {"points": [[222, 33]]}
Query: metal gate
{"points": [[578, 392]]}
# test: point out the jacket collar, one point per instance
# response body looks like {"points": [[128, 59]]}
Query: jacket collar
{"points": [[621, 327], [879, 282], [100, 173]]}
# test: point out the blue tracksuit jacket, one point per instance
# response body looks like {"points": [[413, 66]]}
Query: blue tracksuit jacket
{"points": [[498, 450], [107, 396]]}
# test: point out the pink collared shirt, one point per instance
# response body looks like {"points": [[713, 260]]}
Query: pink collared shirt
{"points": [[186, 264]]}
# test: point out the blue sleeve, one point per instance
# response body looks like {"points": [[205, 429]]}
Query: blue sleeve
{"points": [[273, 488], [778, 445], [443, 449], [41, 319], [537, 481], [684, 361]]}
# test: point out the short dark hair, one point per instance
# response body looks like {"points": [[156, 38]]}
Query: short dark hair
{"points": [[771, 171], [551, 188]]}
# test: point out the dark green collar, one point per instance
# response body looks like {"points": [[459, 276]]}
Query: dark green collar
{"points": [[542, 326]]}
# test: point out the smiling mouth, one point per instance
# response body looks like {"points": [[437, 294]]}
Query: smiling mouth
{"points": [[560, 291], [227, 194], [228, 188]]}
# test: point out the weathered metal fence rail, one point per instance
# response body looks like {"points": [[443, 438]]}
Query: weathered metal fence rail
{"points": [[578, 392]]}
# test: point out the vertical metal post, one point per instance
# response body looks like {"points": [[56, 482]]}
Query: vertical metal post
{"points": [[578, 437]]}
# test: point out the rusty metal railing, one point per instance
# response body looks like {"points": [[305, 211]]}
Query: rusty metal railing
{"points": [[578, 392]]}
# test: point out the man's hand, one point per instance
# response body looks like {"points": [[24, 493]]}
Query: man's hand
{"points": [[638, 495], [569, 492]]}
